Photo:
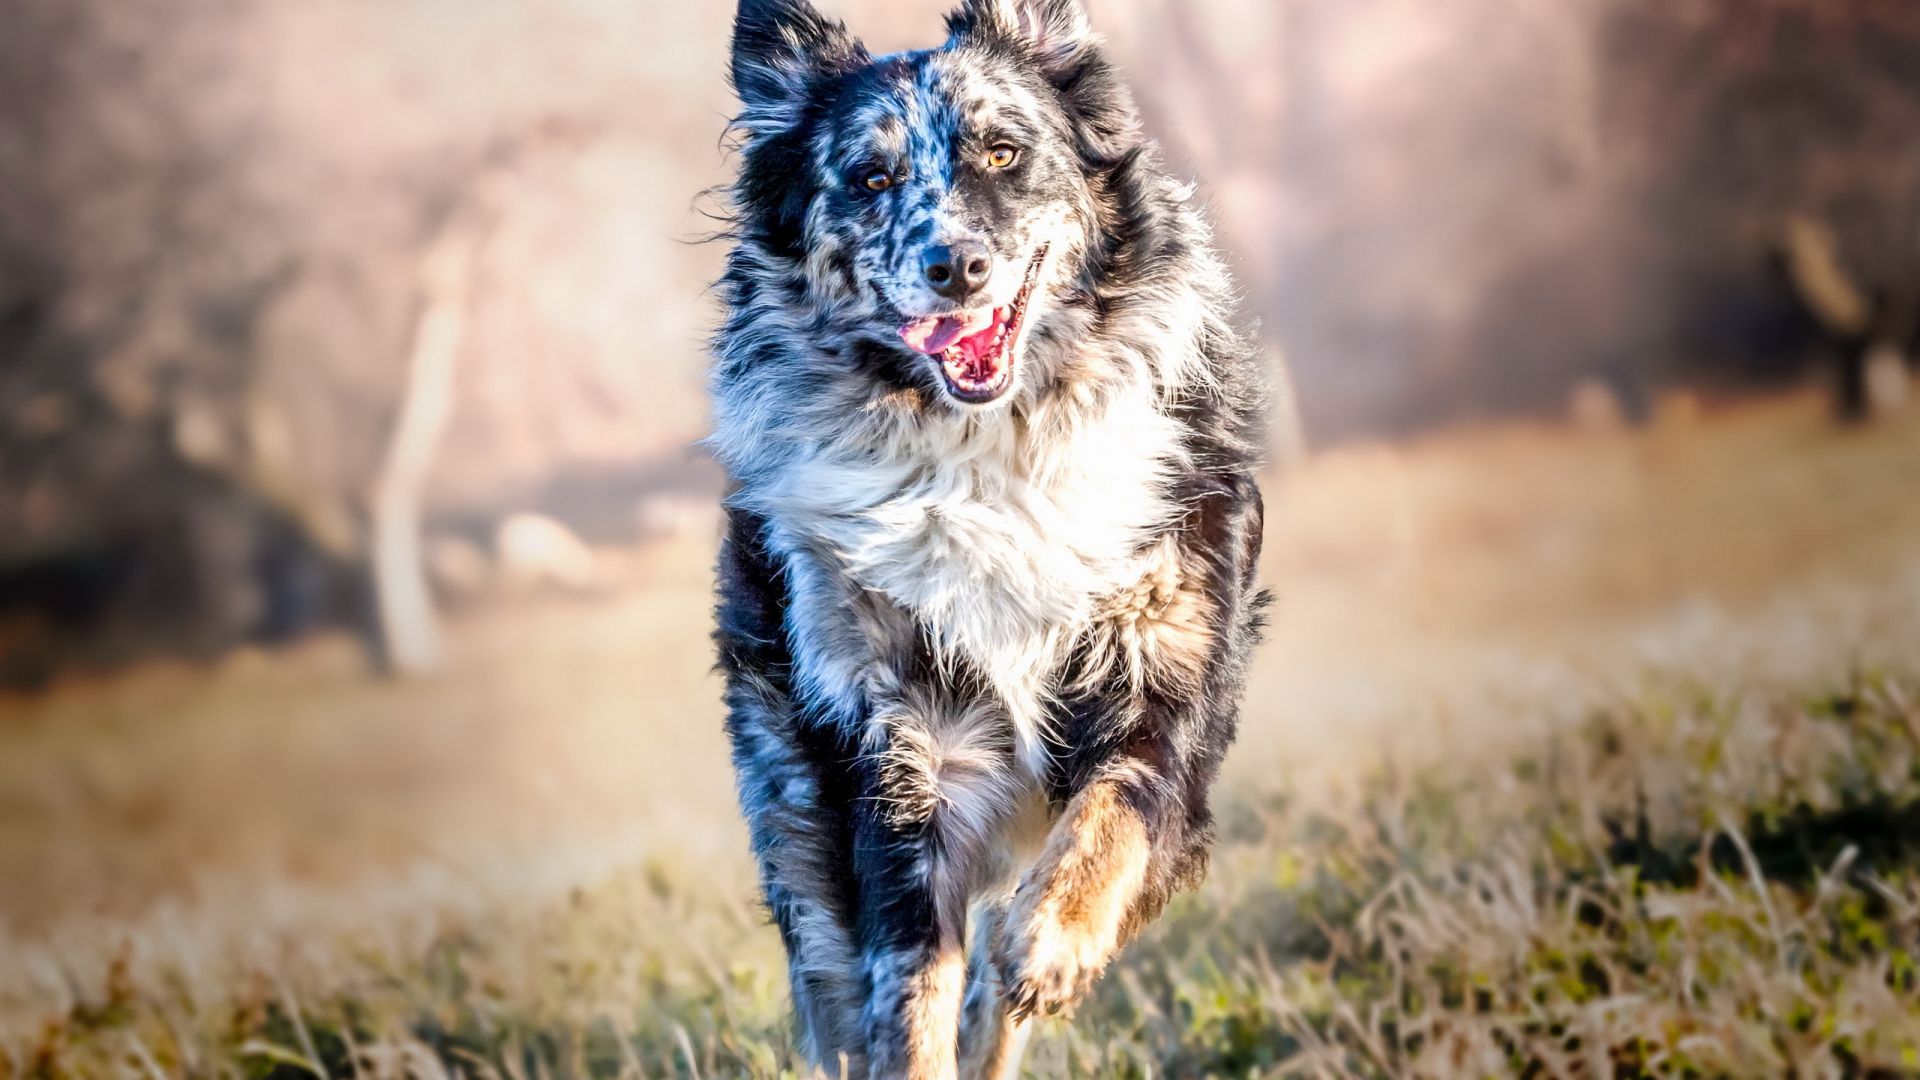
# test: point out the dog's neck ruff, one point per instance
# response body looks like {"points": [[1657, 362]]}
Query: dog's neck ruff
{"points": [[997, 531]]}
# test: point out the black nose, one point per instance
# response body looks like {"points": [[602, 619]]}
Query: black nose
{"points": [[958, 270]]}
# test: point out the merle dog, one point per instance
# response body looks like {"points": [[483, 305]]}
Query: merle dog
{"points": [[987, 597]]}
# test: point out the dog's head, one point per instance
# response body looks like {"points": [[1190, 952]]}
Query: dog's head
{"points": [[935, 204]]}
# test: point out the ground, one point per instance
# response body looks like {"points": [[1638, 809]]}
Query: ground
{"points": [[1569, 753]]}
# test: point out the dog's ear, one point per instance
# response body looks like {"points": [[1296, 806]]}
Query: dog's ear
{"points": [[779, 46], [1056, 32]]}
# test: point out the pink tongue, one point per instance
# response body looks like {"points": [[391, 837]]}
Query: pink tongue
{"points": [[936, 333]]}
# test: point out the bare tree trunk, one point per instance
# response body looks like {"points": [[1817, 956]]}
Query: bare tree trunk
{"points": [[1821, 278], [408, 632], [1870, 379]]}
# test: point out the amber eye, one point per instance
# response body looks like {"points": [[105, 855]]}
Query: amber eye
{"points": [[877, 181], [1002, 156]]}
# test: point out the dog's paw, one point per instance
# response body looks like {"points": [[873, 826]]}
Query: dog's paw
{"points": [[1046, 963]]}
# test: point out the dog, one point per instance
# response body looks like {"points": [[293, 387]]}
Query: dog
{"points": [[986, 597]]}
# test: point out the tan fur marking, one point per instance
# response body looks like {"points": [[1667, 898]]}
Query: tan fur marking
{"points": [[993, 1050], [933, 1017], [1070, 911], [907, 402], [999, 1059], [991, 1042], [1159, 631]]}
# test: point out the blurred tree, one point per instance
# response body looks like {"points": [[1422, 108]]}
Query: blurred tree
{"points": [[1469, 207], [220, 378], [1780, 132]]}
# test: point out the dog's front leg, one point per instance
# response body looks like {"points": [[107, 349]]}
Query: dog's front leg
{"points": [[991, 1041], [1077, 904], [914, 966], [1147, 747]]}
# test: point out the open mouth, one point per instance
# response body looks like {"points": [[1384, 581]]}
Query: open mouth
{"points": [[976, 347]]}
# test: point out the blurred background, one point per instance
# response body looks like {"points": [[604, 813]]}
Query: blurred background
{"points": [[355, 542]]}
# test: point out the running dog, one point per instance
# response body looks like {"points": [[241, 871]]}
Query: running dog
{"points": [[986, 597]]}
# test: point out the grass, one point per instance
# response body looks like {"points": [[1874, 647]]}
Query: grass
{"points": [[1698, 885], [1600, 756], [1703, 889]]}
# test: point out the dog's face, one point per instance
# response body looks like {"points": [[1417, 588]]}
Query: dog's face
{"points": [[936, 203]]}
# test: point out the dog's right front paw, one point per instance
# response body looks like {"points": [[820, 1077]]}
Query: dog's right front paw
{"points": [[1047, 963]]}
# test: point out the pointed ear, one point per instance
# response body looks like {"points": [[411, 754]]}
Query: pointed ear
{"points": [[779, 46], [1056, 32]]}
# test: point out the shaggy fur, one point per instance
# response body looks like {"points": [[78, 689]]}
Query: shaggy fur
{"points": [[984, 628]]}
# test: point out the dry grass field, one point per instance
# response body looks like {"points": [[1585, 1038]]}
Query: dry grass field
{"points": [[1570, 754]]}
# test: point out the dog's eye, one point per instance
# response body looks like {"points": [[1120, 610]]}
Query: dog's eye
{"points": [[1002, 156], [877, 180]]}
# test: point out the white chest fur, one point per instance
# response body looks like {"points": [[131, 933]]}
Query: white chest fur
{"points": [[999, 534]]}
